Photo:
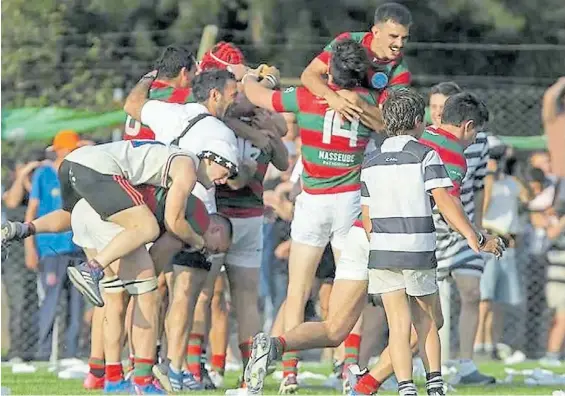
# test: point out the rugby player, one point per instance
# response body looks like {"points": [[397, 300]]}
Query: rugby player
{"points": [[105, 175], [175, 71], [332, 153], [449, 139], [92, 233], [384, 44]]}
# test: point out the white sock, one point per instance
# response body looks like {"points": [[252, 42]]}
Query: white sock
{"points": [[488, 347], [466, 367], [479, 347]]}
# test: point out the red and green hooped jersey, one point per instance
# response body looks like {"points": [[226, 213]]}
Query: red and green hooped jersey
{"points": [[196, 213], [247, 201], [450, 151], [332, 149], [400, 77], [134, 130]]}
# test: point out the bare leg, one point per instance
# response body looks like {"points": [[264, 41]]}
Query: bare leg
{"points": [[187, 285], [469, 290], [57, 221]]}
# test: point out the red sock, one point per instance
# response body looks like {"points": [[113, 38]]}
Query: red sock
{"points": [[218, 363], [367, 385], [245, 349], [352, 345], [290, 363], [142, 374], [114, 372], [193, 353], [96, 366]]}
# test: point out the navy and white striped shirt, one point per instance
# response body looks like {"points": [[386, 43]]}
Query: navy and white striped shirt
{"points": [[396, 183], [451, 244]]}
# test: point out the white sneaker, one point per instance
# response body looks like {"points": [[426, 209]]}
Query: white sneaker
{"points": [[547, 361], [217, 378]]}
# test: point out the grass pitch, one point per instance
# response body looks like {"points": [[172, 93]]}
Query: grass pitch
{"points": [[43, 382]]}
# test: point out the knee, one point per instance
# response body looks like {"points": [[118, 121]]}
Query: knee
{"points": [[470, 295], [336, 334]]}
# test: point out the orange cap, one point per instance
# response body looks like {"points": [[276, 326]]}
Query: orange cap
{"points": [[65, 140]]}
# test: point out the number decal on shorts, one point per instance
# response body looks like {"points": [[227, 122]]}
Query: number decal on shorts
{"points": [[332, 127], [138, 143], [132, 126]]}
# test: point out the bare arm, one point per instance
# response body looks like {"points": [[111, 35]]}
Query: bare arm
{"points": [[550, 98], [479, 198], [371, 116], [270, 121], [258, 94], [366, 219], [279, 154], [455, 216], [14, 196], [312, 78], [489, 181], [138, 97], [247, 132], [163, 250], [246, 171], [183, 175], [31, 257]]}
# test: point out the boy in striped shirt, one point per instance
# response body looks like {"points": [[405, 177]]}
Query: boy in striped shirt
{"points": [[397, 218]]}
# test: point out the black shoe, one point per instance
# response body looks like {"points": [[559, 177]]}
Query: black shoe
{"points": [[205, 379]]}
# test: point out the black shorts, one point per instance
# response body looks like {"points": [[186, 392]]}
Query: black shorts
{"points": [[189, 259], [107, 194], [326, 269]]}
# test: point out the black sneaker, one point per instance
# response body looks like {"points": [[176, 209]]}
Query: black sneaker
{"points": [[205, 378]]}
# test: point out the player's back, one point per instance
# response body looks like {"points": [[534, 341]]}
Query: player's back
{"points": [[332, 148], [135, 130], [139, 161]]}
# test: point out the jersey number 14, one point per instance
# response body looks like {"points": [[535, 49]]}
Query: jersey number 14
{"points": [[333, 127]]}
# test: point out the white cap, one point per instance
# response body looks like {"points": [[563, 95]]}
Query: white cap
{"points": [[222, 152]]}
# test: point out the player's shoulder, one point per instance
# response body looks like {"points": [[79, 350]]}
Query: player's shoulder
{"points": [[356, 36]]}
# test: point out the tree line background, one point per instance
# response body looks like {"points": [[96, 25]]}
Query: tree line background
{"points": [[75, 52]]}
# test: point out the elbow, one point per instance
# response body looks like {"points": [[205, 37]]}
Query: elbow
{"points": [[304, 77]]}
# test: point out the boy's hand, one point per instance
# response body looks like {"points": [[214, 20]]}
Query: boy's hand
{"points": [[494, 245]]}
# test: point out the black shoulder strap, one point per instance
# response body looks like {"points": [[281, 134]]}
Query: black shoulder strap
{"points": [[191, 123]]}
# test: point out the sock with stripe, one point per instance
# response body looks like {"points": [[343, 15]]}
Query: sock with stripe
{"points": [[193, 354], [142, 374], [278, 349], [434, 381], [245, 349], [131, 362], [352, 345], [203, 358], [407, 388], [218, 363], [367, 385], [290, 363], [97, 367], [114, 372]]}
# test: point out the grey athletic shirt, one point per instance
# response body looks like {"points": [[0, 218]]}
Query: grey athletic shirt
{"points": [[139, 161]]}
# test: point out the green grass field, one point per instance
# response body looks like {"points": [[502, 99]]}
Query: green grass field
{"points": [[44, 383]]}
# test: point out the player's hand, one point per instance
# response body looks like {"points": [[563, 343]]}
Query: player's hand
{"points": [[473, 242], [238, 71], [270, 74], [24, 170], [494, 245], [151, 75], [249, 165], [348, 110], [352, 97]]}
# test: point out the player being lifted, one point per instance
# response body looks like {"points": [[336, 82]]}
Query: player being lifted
{"points": [[332, 152], [105, 175]]}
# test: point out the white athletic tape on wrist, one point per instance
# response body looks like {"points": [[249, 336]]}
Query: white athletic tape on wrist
{"points": [[141, 286], [112, 284]]}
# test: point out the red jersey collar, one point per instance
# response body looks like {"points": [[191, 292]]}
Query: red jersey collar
{"points": [[445, 133]]}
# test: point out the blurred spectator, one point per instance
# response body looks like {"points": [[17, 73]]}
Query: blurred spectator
{"points": [[21, 186], [50, 254], [500, 282]]}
